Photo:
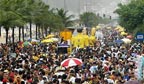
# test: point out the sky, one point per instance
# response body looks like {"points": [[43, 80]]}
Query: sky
{"points": [[77, 7]]}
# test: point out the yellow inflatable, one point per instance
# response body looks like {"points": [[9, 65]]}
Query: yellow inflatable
{"points": [[66, 34], [84, 31], [93, 30], [92, 38], [86, 37], [80, 40]]}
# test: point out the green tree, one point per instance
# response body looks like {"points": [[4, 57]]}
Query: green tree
{"points": [[17, 13], [9, 17], [66, 19], [48, 19], [131, 16], [30, 11], [89, 19]]}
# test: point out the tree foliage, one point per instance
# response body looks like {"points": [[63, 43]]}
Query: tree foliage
{"points": [[131, 16], [66, 19], [18, 13], [89, 19]]}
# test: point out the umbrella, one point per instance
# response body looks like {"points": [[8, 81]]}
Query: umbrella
{"points": [[119, 41], [47, 41], [126, 40], [71, 62], [121, 30], [33, 40], [123, 33], [49, 36], [129, 36], [55, 39], [26, 43], [98, 27], [108, 27], [13, 55]]}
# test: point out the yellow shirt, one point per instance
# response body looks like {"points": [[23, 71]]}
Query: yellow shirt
{"points": [[35, 58]]}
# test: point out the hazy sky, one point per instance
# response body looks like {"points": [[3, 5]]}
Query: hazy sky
{"points": [[79, 6]]}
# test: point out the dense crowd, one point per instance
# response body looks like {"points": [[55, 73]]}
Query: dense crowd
{"points": [[107, 63]]}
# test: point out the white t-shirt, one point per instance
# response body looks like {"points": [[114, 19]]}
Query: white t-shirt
{"points": [[72, 79], [41, 82], [1, 82]]}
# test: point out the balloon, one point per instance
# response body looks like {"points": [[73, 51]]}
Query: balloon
{"points": [[92, 40], [123, 33]]}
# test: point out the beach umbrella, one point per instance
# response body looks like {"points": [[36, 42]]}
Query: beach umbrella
{"points": [[55, 39], [47, 41], [71, 62], [49, 36]]}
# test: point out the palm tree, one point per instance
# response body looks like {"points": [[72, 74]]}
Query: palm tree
{"points": [[16, 13], [66, 19], [5, 21], [42, 12], [10, 18]]}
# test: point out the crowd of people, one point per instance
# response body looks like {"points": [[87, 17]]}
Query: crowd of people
{"points": [[108, 63]]}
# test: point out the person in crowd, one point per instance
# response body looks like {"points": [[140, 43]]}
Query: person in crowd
{"points": [[102, 64]]}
